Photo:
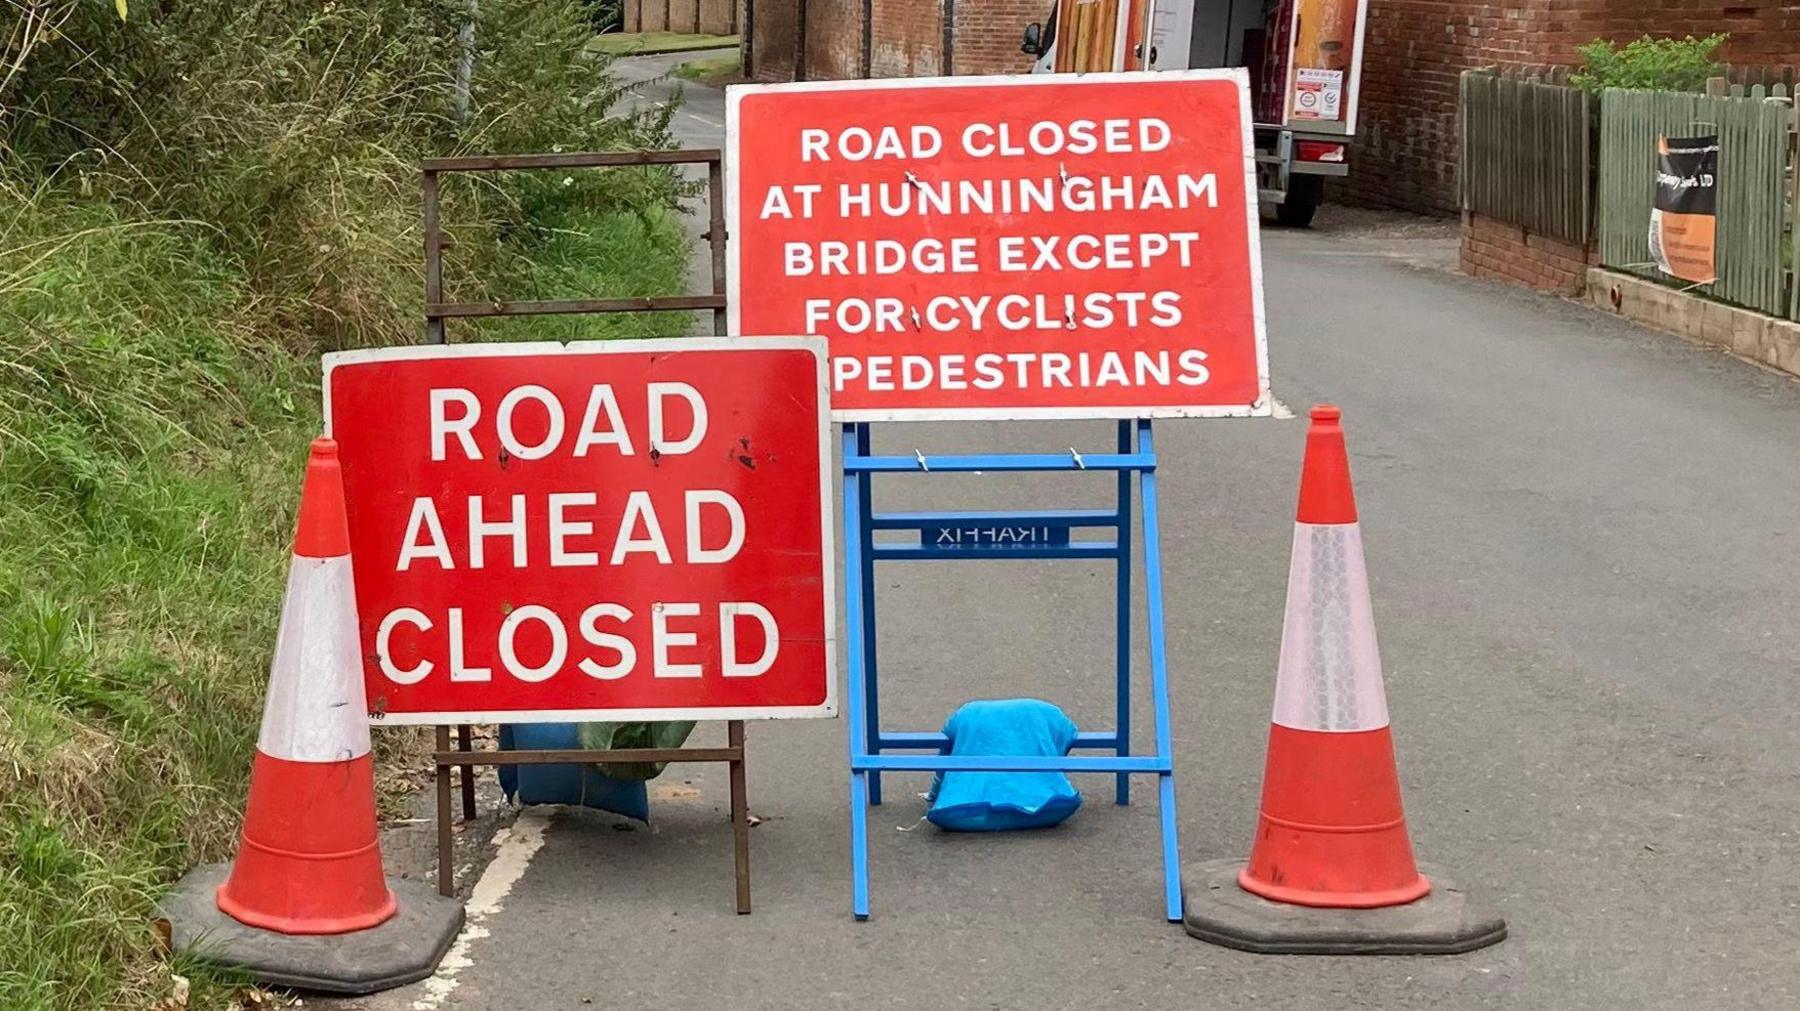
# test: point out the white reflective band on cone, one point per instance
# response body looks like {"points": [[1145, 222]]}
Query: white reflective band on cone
{"points": [[315, 710], [1330, 673]]}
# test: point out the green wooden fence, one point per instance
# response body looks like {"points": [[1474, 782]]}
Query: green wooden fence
{"points": [[1524, 149], [1753, 207]]}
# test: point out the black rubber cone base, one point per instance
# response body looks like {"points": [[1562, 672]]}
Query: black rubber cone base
{"points": [[405, 949], [1442, 923]]}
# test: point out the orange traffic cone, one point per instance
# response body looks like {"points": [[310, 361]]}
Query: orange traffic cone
{"points": [[1331, 833], [305, 905], [310, 862]]}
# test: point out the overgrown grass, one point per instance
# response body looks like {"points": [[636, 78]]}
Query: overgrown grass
{"points": [[576, 255], [714, 70], [146, 472], [164, 292], [647, 43], [150, 452]]}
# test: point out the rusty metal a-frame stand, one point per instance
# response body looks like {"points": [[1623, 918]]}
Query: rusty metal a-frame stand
{"points": [[437, 311]]}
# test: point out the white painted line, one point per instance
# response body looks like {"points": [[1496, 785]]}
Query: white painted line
{"points": [[1282, 411], [517, 844]]}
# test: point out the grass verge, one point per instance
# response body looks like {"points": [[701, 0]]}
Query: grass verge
{"points": [[652, 43], [152, 435], [194, 202], [714, 70]]}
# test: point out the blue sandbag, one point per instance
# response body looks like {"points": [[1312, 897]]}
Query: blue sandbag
{"points": [[996, 801], [579, 784]]}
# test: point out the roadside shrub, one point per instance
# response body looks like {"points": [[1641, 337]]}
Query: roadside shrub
{"points": [[294, 129], [194, 202], [605, 15], [1658, 64], [147, 448]]}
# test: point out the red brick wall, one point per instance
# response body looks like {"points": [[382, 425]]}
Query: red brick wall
{"points": [[988, 33], [1504, 252], [1762, 31], [1405, 153], [773, 56], [908, 39], [833, 39], [1413, 51]]}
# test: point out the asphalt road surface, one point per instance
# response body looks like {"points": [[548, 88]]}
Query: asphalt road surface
{"points": [[1583, 540]]}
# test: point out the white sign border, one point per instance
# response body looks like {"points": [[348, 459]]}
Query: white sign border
{"points": [[1264, 404], [827, 522]]}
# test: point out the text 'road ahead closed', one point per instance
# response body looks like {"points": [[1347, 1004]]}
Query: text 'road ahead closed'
{"points": [[545, 531]]}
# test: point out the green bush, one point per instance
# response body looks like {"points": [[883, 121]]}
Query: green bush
{"points": [[1657, 64], [193, 204], [605, 15], [147, 448], [294, 129]]}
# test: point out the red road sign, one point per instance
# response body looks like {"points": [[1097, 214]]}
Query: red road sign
{"points": [[1009, 247], [609, 530]]}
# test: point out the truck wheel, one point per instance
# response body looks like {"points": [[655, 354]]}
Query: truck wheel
{"points": [[1303, 197]]}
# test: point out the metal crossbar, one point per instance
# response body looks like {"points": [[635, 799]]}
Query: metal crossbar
{"points": [[1044, 534], [1000, 462], [437, 311]]}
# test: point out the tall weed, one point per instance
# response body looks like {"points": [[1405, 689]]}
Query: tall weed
{"points": [[293, 129], [193, 204]]}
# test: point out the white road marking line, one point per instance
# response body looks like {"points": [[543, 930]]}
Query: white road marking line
{"points": [[1281, 410], [516, 844]]}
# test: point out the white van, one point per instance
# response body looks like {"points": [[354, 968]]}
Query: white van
{"points": [[1304, 58]]}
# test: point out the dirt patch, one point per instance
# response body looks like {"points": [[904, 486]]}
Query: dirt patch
{"points": [[1427, 243], [1371, 223]]}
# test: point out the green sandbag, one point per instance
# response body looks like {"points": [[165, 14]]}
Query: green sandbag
{"points": [[662, 734]]}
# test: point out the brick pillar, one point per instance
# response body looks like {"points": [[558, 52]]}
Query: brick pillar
{"points": [[833, 39], [908, 39], [773, 55], [989, 32]]}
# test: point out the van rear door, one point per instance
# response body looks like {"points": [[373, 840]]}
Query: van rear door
{"points": [[1171, 34], [1323, 69]]}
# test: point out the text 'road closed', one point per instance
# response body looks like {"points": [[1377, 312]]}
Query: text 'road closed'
{"points": [[635, 530]]}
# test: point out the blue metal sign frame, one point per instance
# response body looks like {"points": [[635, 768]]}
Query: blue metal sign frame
{"points": [[871, 747]]}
